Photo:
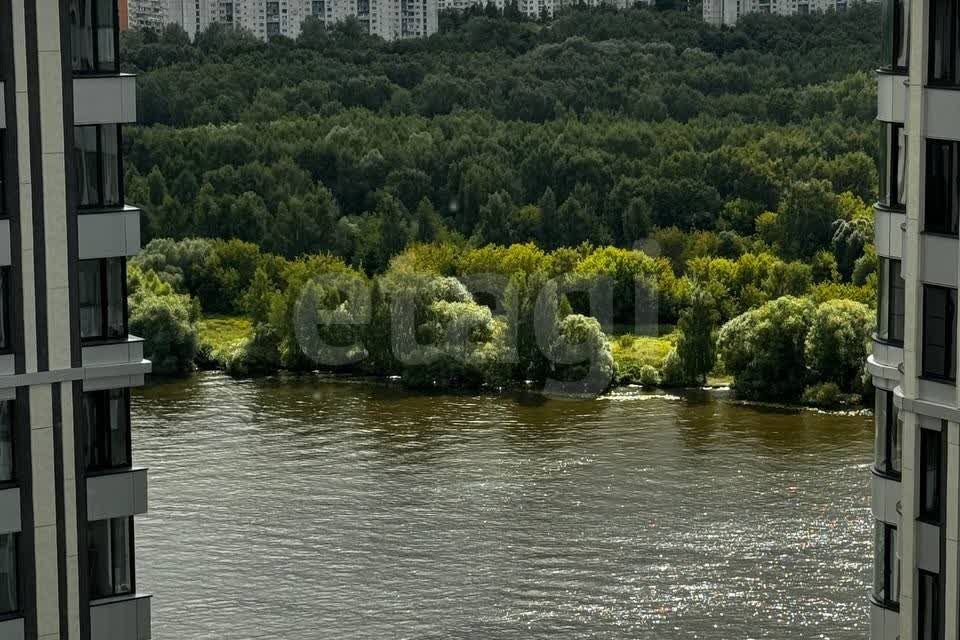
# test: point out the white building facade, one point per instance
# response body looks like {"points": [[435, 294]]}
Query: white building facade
{"points": [[69, 491], [728, 12], [916, 474]]}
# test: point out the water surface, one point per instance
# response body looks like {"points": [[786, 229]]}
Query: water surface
{"points": [[306, 509]]}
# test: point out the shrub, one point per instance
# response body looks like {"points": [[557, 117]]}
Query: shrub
{"points": [[825, 394], [837, 343], [170, 331], [764, 349], [649, 376]]}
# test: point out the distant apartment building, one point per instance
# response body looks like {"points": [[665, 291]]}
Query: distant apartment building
{"points": [[536, 8], [389, 19], [728, 12], [916, 472], [69, 491]]}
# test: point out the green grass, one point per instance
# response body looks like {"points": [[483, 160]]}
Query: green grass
{"points": [[635, 351], [222, 331]]}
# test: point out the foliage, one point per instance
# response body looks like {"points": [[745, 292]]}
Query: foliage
{"points": [[697, 337], [837, 343], [764, 349]]}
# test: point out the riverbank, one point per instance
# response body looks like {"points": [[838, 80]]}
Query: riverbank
{"points": [[221, 335]]}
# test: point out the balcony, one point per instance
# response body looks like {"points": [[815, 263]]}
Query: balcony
{"points": [[12, 629], [941, 108], [105, 99], [9, 512], [121, 617], [116, 494], [888, 231], [107, 233], [111, 364], [884, 622], [938, 259], [886, 494]]}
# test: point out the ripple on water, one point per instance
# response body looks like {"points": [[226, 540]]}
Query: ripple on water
{"points": [[307, 509]]}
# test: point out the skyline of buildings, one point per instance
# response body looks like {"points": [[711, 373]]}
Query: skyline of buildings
{"points": [[69, 490], [728, 12], [389, 19], [916, 473]]}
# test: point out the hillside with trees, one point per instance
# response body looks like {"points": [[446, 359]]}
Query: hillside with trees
{"points": [[731, 167]]}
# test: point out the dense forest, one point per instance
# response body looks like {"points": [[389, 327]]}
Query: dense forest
{"points": [[742, 161]]}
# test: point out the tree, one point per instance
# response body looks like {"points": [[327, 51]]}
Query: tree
{"points": [[805, 221], [837, 344], [696, 344], [764, 349]]}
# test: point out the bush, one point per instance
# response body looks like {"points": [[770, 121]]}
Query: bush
{"points": [[837, 343], [764, 349], [672, 374], [169, 329], [649, 376], [825, 394]]}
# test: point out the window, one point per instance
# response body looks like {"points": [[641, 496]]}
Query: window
{"points": [[895, 46], [893, 165], [931, 476], [944, 52], [928, 606], [889, 435], [9, 587], [941, 200], [99, 174], [94, 36], [886, 569], [110, 557], [890, 306], [106, 423], [103, 298], [7, 427], [6, 341], [939, 333]]}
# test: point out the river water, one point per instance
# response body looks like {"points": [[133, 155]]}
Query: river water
{"points": [[306, 509]]}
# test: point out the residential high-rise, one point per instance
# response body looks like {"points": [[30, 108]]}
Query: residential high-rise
{"points": [[916, 475], [728, 12], [68, 489]]}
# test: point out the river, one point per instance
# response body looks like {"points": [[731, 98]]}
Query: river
{"points": [[305, 509]]}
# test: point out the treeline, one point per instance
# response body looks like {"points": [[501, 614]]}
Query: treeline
{"points": [[637, 62], [495, 315]]}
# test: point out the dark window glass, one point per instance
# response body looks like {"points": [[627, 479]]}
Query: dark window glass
{"points": [[890, 306], [886, 574], [93, 35], [99, 180], [6, 342], [889, 435], [894, 47], [942, 200], [3, 176], [9, 587], [928, 606], [7, 428], [931, 475], [106, 423], [109, 557], [939, 332], [103, 299], [944, 53], [893, 165]]}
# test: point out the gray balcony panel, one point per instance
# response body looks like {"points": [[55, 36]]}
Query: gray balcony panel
{"points": [[121, 618], [124, 352], [12, 629], [887, 231], [942, 107], [938, 260], [928, 547], [886, 494], [891, 97], [9, 510], [105, 99], [884, 624], [109, 234], [116, 495]]}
